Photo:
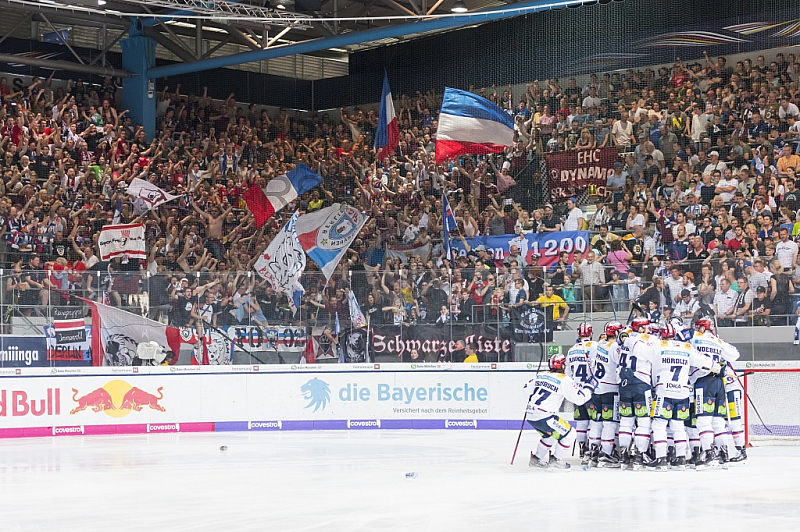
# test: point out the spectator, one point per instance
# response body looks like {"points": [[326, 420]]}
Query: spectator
{"points": [[724, 304], [556, 310]]}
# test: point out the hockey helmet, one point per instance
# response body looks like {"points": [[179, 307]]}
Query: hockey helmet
{"points": [[639, 323], [706, 322], [585, 330], [557, 362], [667, 331], [612, 328]]}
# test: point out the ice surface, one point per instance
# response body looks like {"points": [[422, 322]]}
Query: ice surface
{"points": [[356, 480]]}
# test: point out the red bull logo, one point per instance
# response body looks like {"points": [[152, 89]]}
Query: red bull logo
{"points": [[117, 398]]}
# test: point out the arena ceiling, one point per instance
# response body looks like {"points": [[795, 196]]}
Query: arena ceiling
{"points": [[334, 27]]}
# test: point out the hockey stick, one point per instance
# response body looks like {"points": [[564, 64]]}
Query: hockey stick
{"points": [[634, 306], [525, 417], [519, 436]]}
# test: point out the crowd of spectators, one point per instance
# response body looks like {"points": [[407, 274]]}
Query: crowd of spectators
{"points": [[700, 214]]}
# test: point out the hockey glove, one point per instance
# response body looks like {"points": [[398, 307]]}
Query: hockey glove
{"points": [[621, 337]]}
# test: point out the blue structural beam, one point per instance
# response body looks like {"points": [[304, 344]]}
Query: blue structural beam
{"points": [[139, 56], [508, 11]]}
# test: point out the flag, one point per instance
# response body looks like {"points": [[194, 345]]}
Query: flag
{"points": [[279, 192], [471, 124], [297, 297], [356, 316], [387, 136], [69, 326], [118, 240], [147, 196], [117, 213], [449, 223], [405, 252], [217, 350], [337, 330], [283, 262], [121, 332], [326, 234]]}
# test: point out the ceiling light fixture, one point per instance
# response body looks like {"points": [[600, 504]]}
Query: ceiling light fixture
{"points": [[101, 2], [280, 5], [459, 7]]}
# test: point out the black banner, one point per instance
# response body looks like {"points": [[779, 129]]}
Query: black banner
{"points": [[441, 342]]}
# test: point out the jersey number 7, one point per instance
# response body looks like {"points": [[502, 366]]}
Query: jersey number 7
{"points": [[544, 395]]}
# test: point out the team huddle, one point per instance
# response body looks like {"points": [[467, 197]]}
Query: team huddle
{"points": [[657, 399]]}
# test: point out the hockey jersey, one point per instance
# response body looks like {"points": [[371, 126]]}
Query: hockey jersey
{"points": [[603, 360], [716, 348], [577, 363], [672, 363], [549, 391], [635, 359]]}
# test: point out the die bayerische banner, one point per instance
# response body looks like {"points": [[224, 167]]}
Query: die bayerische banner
{"points": [[546, 245], [573, 171]]}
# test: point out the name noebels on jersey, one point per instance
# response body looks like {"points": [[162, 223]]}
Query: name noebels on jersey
{"points": [[398, 344]]}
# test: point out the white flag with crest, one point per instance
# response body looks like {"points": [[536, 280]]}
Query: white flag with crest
{"points": [[283, 262], [147, 195]]}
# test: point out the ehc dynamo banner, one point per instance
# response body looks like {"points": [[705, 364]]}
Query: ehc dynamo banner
{"points": [[546, 245], [572, 171]]}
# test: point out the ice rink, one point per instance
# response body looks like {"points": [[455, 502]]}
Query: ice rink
{"points": [[355, 480]]}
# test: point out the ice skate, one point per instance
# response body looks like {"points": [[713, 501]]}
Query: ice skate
{"points": [[659, 464], [678, 464], [594, 455], [536, 463], [637, 463], [722, 457], [739, 457], [555, 463], [625, 460], [607, 461], [706, 460], [692, 462]]}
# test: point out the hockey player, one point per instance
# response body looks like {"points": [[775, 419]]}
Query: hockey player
{"points": [[635, 365], [710, 396], [549, 391], [672, 364], [577, 367], [735, 395], [603, 424]]}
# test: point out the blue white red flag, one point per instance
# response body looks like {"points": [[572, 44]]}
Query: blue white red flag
{"points": [[449, 223], [279, 192], [326, 234], [387, 136], [471, 124]]}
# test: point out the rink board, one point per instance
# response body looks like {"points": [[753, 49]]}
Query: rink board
{"points": [[85, 400]]}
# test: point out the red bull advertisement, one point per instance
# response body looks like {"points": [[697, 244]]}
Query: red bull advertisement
{"points": [[117, 398]]}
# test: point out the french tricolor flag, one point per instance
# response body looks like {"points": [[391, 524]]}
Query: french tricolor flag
{"points": [[387, 137], [279, 192], [471, 124]]}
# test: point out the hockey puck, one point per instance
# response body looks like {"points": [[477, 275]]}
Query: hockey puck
{"points": [[223, 447]]}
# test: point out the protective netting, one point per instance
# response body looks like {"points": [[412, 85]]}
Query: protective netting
{"points": [[774, 394]]}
